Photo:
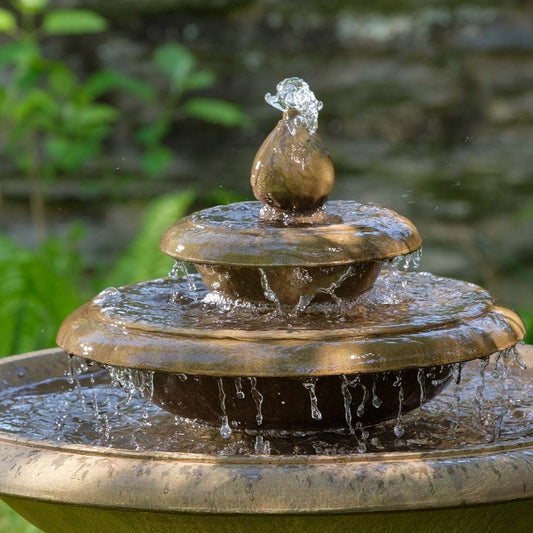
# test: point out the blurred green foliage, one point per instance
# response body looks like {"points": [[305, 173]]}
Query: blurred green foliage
{"points": [[52, 123], [11, 522], [182, 75], [143, 259], [38, 288]]}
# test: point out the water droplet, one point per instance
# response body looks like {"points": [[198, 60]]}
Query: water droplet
{"points": [[258, 399], [310, 385]]}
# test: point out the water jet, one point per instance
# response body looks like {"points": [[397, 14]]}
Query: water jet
{"points": [[302, 379]]}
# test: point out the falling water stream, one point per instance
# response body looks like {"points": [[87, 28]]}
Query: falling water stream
{"points": [[490, 401]]}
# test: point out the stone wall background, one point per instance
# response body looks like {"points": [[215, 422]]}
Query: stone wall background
{"points": [[428, 110]]}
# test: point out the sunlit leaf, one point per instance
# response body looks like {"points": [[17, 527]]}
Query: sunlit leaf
{"points": [[217, 111], [8, 23], [62, 80], [93, 115], [70, 154], [38, 102], [31, 6], [176, 62], [143, 259], [15, 52], [73, 21]]}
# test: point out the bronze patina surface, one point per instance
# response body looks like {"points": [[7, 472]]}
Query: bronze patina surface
{"points": [[292, 171], [285, 401], [241, 257], [120, 328], [289, 284], [89, 489], [232, 235]]}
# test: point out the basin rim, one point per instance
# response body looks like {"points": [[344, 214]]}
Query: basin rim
{"points": [[103, 477]]}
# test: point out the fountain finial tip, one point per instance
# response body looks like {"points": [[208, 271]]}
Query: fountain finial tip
{"points": [[292, 173], [294, 94]]}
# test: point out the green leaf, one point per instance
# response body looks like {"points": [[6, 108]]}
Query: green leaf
{"points": [[69, 155], [62, 80], [31, 6], [94, 115], [217, 111], [156, 161], [106, 80], [73, 21], [16, 52], [8, 22], [37, 103], [526, 212], [176, 62], [153, 133], [37, 289], [201, 79], [143, 260]]}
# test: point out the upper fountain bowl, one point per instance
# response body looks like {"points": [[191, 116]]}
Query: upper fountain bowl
{"points": [[292, 249], [243, 258]]}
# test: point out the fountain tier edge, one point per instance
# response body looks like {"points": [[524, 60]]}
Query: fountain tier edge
{"points": [[244, 258], [64, 487], [407, 333]]}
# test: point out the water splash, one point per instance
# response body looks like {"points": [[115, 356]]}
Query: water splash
{"points": [[517, 357], [399, 429], [407, 261], [239, 392], [376, 401], [421, 378], [295, 94], [75, 369], [190, 279], [347, 398], [176, 271], [443, 423], [361, 407], [258, 399], [225, 430], [306, 300], [270, 295], [262, 446], [310, 385]]}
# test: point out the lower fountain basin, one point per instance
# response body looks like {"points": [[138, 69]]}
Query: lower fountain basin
{"points": [[63, 487], [327, 403], [290, 285]]}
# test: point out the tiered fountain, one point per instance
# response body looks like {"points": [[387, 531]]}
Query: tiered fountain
{"points": [[286, 374]]}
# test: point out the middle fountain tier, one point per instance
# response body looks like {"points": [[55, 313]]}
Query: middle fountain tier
{"points": [[301, 320]]}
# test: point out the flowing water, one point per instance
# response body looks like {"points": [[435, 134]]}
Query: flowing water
{"points": [[398, 300], [492, 402]]}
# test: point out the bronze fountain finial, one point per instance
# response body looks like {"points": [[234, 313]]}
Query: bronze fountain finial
{"points": [[292, 173]]}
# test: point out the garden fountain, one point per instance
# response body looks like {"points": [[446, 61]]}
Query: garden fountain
{"points": [[305, 380]]}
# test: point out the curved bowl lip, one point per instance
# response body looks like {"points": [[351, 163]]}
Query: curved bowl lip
{"points": [[460, 341], [272, 246], [201, 483]]}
